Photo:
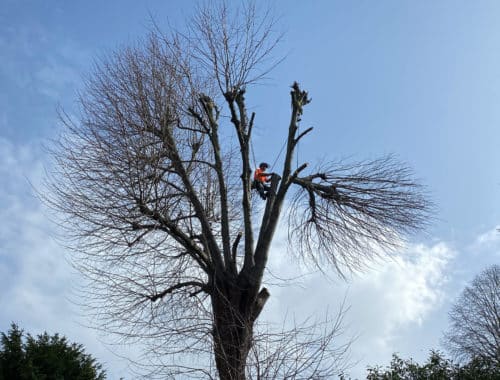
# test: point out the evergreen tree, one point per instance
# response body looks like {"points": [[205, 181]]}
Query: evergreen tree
{"points": [[45, 357]]}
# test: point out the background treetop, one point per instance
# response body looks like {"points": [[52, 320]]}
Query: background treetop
{"points": [[46, 356]]}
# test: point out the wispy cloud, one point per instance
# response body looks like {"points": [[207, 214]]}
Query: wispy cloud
{"points": [[489, 237], [41, 68]]}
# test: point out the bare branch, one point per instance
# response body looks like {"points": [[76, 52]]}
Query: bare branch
{"points": [[234, 45], [311, 350], [303, 134], [345, 213], [180, 285]]}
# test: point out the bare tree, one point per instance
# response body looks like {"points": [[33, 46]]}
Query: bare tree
{"points": [[156, 187], [475, 319]]}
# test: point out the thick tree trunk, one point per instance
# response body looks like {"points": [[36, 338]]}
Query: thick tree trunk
{"points": [[232, 333]]}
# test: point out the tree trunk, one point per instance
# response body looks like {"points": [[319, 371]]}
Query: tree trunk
{"points": [[232, 332]]}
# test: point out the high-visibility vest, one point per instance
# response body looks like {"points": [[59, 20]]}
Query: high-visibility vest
{"points": [[260, 175]]}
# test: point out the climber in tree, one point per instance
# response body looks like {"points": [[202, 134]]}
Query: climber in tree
{"points": [[260, 178]]}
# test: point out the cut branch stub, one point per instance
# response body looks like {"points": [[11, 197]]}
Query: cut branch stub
{"points": [[299, 98]]}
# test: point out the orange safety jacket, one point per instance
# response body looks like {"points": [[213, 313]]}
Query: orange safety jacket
{"points": [[260, 176]]}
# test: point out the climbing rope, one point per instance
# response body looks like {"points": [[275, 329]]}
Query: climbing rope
{"points": [[253, 155], [279, 154]]}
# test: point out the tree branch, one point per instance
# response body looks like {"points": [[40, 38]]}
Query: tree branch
{"points": [[236, 101], [302, 135], [344, 210], [212, 113], [200, 257], [235, 245], [299, 99], [180, 285]]}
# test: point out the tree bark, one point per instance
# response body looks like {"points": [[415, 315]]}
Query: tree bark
{"points": [[232, 332]]}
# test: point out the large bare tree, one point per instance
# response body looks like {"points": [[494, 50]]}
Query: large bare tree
{"points": [[475, 319], [156, 186]]}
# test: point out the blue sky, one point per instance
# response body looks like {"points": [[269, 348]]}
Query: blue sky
{"points": [[417, 78]]}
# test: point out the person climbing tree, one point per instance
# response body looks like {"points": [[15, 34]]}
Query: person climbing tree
{"points": [[260, 178]]}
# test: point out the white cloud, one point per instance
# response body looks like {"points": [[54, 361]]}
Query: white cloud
{"points": [[398, 306], [489, 237], [413, 282], [35, 278], [387, 303]]}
